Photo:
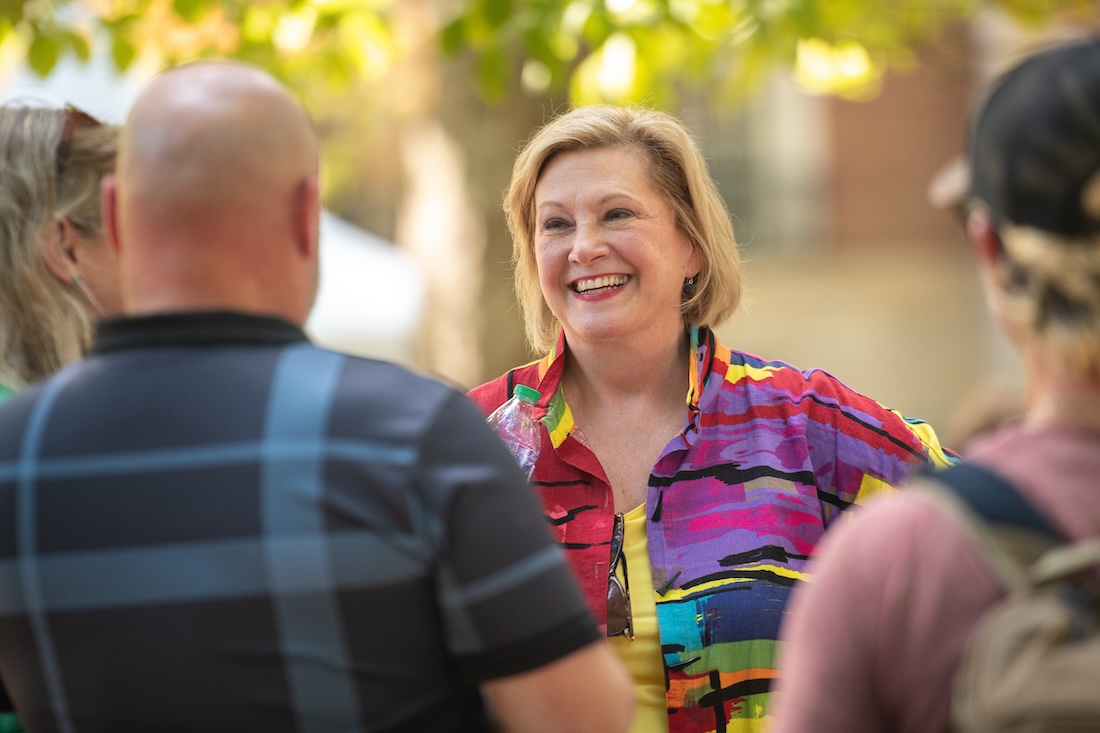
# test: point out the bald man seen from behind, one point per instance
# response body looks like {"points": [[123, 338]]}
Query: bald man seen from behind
{"points": [[211, 524]]}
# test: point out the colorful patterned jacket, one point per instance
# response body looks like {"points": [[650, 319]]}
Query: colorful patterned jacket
{"points": [[768, 458]]}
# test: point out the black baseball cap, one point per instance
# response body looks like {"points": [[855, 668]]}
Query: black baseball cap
{"points": [[1034, 144]]}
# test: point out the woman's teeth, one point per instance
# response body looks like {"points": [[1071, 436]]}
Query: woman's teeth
{"points": [[599, 283]]}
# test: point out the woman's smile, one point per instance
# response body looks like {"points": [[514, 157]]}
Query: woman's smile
{"points": [[599, 285]]}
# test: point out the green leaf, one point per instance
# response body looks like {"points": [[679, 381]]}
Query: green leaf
{"points": [[492, 73], [78, 42], [536, 44], [326, 22], [597, 28], [12, 10], [43, 53], [190, 10], [497, 12], [123, 53], [804, 18], [453, 36]]}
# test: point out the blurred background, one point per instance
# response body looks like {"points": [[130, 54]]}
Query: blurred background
{"points": [[824, 122]]}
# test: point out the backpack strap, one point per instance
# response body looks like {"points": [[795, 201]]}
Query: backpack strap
{"points": [[1011, 534], [994, 498]]}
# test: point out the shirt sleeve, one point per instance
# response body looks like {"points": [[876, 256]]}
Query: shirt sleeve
{"points": [[860, 448], [507, 597]]}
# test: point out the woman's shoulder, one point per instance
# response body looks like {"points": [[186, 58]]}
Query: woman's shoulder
{"points": [[492, 394], [774, 374], [736, 362], [742, 367], [823, 397]]}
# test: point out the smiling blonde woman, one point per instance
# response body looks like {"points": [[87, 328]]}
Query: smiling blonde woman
{"points": [[687, 482]]}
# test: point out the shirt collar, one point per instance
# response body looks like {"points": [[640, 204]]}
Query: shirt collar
{"points": [[197, 328], [559, 420]]}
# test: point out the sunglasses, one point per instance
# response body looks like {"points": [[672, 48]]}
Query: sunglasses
{"points": [[74, 118], [619, 619]]}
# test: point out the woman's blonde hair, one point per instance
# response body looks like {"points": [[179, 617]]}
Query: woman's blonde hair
{"points": [[43, 324], [677, 171]]}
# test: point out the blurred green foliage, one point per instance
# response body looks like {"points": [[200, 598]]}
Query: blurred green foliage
{"points": [[634, 50], [598, 50]]}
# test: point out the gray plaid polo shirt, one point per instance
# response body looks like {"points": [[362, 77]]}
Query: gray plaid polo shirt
{"points": [[211, 524]]}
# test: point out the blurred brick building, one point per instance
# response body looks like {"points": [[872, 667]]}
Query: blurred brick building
{"points": [[849, 268]]}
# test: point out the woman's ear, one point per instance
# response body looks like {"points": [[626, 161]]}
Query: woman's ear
{"points": [[694, 263], [60, 252], [984, 238]]}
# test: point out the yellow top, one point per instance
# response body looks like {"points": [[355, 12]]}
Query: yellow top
{"points": [[642, 656]]}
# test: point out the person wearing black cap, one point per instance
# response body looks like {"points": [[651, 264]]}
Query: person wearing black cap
{"points": [[873, 642]]}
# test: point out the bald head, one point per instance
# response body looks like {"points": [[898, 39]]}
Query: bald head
{"points": [[215, 192]]}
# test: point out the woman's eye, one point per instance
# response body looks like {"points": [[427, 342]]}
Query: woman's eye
{"points": [[618, 214], [555, 223]]}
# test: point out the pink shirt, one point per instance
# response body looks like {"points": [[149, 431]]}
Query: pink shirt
{"points": [[872, 642]]}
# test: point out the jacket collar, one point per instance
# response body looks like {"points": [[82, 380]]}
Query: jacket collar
{"points": [[549, 370]]}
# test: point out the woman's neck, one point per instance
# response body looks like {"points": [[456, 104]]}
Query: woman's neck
{"points": [[612, 372]]}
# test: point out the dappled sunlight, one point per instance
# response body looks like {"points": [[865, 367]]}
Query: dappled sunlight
{"points": [[632, 11], [844, 69], [621, 7], [170, 36], [536, 77], [616, 74], [294, 29], [370, 44]]}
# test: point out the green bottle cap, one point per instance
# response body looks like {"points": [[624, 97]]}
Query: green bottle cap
{"points": [[526, 394]]}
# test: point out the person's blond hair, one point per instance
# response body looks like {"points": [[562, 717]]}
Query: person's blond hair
{"points": [[43, 324], [1048, 289], [677, 171]]}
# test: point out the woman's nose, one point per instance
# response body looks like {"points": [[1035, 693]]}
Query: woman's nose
{"points": [[588, 244]]}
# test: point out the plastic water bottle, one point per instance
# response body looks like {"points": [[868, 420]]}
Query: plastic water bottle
{"points": [[518, 425]]}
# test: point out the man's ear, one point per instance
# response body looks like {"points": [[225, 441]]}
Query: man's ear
{"points": [[108, 203], [59, 252], [307, 217]]}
